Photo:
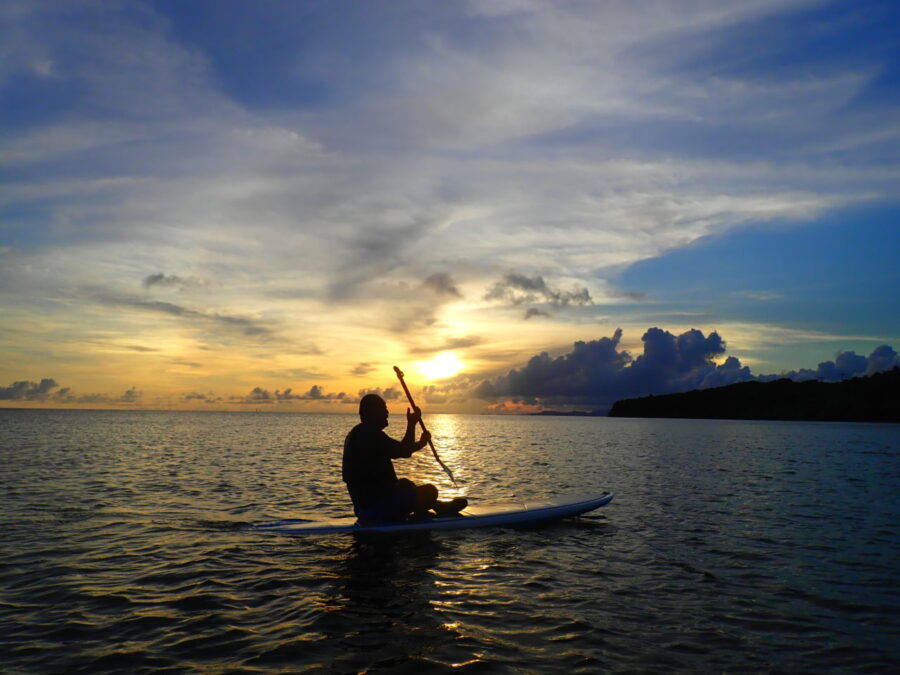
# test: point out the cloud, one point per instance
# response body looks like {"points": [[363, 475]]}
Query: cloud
{"points": [[442, 284], [49, 390], [361, 369], [240, 324], [532, 312], [132, 396], [31, 391], [636, 296], [846, 365], [409, 307], [259, 395], [447, 345], [129, 397], [161, 280], [588, 374], [597, 373], [881, 359], [518, 289], [141, 348], [469, 138], [207, 397], [761, 296], [515, 407], [388, 394], [373, 251]]}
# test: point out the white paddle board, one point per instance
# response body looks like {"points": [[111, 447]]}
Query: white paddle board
{"points": [[507, 515]]}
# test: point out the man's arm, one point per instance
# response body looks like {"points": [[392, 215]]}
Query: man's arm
{"points": [[409, 445]]}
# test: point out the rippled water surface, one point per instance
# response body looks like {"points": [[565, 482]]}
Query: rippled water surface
{"points": [[730, 546]]}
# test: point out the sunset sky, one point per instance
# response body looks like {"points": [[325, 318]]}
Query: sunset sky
{"points": [[235, 205]]}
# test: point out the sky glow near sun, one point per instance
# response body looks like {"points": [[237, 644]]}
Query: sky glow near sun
{"points": [[192, 216], [442, 366]]}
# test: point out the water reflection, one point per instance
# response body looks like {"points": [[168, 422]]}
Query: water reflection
{"points": [[446, 432], [749, 547], [449, 442], [380, 608]]}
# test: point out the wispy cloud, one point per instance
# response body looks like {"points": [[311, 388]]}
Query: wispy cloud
{"points": [[447, 345], [161, 280], [241, 324], [366, 193], [761, 296]]}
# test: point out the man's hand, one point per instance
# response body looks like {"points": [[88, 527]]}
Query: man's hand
{"points": [[413, 417], [424, 439]]}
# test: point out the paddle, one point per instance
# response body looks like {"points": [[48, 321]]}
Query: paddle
{"points": [[422, 424]]}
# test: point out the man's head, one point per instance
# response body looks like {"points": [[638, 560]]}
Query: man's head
{"points": [[373, 410]]}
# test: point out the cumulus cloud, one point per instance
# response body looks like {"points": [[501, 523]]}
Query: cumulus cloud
{"points": [[500, 135], [388, 394], [455, 390], [25, 390], [881, 359], [597, 373], [49, 390], [846, 365], [259, 395], [584, 375]]}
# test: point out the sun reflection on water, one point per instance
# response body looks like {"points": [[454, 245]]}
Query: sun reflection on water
{"points": [[446, 433]]}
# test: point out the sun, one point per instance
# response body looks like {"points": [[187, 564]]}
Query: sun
{"points": [[445, 364]]}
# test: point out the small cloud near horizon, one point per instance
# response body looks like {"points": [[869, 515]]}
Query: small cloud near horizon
{"points": [[594, 374]]}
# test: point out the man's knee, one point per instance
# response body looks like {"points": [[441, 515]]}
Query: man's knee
{"points": [[426, 495]]}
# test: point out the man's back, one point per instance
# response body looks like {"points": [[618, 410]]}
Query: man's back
{"points": [[367, 466]]}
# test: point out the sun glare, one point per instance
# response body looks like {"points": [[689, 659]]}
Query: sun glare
{"points": [[443, 365]]}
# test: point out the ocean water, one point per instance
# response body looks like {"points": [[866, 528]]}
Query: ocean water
{"points": [[730, 547]]}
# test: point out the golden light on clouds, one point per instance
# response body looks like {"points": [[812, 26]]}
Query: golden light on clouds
{"points": [[308, 242], [444, 365]]}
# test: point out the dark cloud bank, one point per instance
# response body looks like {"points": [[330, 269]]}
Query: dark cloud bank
{"points": [[48, 390], [597, 373], [594, 375]]}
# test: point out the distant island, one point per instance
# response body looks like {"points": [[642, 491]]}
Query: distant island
{"points": [[875, 398]]}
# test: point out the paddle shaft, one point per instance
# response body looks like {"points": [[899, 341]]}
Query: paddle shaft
{"points": [[422, 423]]}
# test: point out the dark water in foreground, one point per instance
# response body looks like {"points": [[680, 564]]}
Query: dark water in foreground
{"points": [[731, 546]]}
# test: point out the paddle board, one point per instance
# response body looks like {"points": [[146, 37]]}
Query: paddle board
{"points": [[506, 515]]}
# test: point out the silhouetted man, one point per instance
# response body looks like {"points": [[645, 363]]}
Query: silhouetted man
{"points": [[378, 495]]}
